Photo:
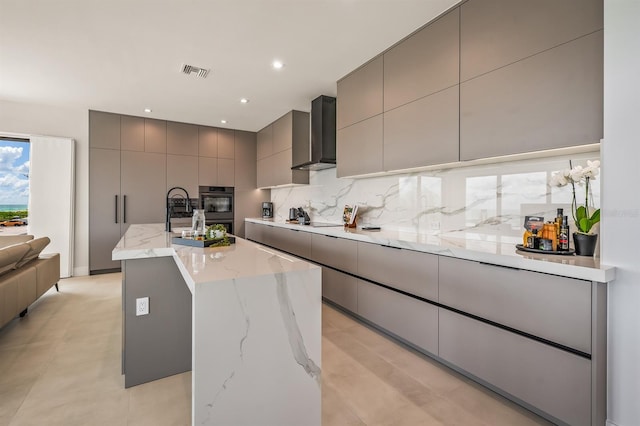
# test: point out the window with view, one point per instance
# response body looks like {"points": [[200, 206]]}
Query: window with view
{"points": [[14, 182]]}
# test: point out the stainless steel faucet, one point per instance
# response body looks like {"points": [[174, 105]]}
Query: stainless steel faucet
{"points": [[169, 206]]}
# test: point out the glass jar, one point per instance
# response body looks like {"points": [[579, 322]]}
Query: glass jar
{"points": [[198, 221]]}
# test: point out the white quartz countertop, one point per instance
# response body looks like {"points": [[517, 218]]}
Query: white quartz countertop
{"points": [[205, 265], [497, 250]]}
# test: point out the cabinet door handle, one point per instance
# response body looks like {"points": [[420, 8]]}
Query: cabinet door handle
{"points": [[116, 208], [392, 247], [331, 236], [124, 209], [500, 266]]}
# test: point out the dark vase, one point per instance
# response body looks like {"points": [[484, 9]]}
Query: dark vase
{"points": [[585, 244]]}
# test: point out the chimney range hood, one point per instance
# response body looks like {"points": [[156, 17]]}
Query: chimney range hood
{"points": [[323, 135]]}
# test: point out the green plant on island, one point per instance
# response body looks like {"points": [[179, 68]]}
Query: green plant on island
{"points": [[213, 232]]}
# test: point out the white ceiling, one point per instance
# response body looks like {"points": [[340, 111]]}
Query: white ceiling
{"points": [[125, 55]]}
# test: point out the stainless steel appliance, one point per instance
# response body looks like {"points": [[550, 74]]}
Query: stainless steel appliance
{"points": [[217, 203], [267, 210]]}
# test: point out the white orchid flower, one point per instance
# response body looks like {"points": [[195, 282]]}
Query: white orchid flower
{"points": [[577, 174]]}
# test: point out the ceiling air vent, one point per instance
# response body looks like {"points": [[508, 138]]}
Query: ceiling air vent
{"points": [[190, 69]]}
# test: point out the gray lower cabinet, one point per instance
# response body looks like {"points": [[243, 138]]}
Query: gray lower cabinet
{"points": [[526, 301], [340, 288], [406, 270], [359, 148], [412, 320], [254, 232], [551, 100], [293, 241], [552, 380], [336, 252], [423, 132], [105, 205]]}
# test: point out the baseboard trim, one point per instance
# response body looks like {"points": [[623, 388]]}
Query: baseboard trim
{"points": [[80, 271]]}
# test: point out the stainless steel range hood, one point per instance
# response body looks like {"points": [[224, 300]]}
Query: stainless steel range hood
{"points": [[323, 135]]}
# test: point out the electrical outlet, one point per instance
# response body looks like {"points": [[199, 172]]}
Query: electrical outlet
{"points": [[142, 306]]}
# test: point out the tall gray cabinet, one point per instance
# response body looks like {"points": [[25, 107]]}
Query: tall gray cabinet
{"points": [[126, 184], [133, 161]]}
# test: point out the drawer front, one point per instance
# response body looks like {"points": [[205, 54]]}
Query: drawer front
{"points": [[292, 241], [340, 288], [253, 232], [550, 379], [404, 316], [335, 252], [407, 270], [547, 306]]}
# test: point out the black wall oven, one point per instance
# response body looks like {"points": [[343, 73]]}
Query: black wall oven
{"points": [[217, 203]]}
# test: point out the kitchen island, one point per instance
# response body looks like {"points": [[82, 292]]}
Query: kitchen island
{"points": [[250, 319]]}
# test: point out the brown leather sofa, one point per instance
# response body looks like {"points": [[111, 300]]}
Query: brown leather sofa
{"points": [[25, 274]]}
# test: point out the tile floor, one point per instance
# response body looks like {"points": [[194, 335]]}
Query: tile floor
{"points": [[60, 365]]}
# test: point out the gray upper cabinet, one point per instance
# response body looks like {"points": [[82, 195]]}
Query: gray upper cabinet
{"points": [[495, 33], [550, 100], [131, 133], [207, 171], [265, 142], [360, 94], [208, 142], [182, 138], [359, 148], [182, 170], [155, 135], [226, 143], [277, 145], [282, 136], [104, 130], [423, 132], [226, 172], [424, 63], [245, 160]]}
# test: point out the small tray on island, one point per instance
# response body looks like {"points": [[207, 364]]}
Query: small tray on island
{"points": [[531, 250], [219, 242]]}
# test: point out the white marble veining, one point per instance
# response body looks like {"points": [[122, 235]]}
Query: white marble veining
{"points": [[256, 329], [487, 199], [494, 249]]}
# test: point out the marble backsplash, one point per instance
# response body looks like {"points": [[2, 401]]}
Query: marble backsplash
{"points": [[482, 201]]}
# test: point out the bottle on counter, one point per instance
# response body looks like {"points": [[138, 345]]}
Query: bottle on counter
{"points": [[563, 241], [549, 233], [525, 238], [532, 241], [558, 223]]}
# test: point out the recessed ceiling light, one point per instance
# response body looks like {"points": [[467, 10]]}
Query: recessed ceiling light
{"points": [[223, 121], [148, 110], [277, 64], [244, 100]]}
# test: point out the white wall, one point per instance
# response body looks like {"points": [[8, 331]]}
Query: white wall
{"points": [[620, 228], [32, 119]]}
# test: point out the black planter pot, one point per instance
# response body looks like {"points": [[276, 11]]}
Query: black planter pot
{"points": [[584, 244]]}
